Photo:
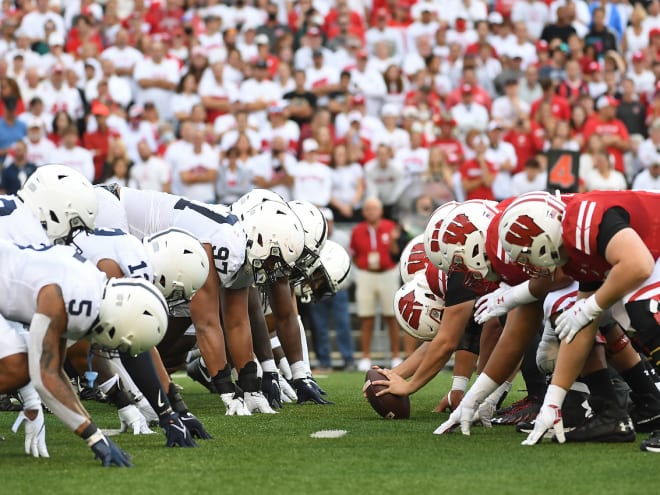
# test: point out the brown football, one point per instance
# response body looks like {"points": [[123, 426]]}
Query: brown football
{"points": [[389, 406]]}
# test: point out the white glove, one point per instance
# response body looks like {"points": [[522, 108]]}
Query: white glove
{"points": [[486, 412], [288, 393], [501, 301], [35, 433], [463, 415], [257, 402], [549, 417], [235, 406], [131, 418], [146, 410], [575, 318]]}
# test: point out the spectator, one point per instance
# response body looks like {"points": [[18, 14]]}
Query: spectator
{"points": [[138, 129], [648, 179], [347, 186], [275, 169], [300, 102], [631, 111], [561, 29], [120, 173], [157, 78], [532, 178], [186, 97], [149, 172], [533, 12], [312, 179], [385, 179], [258, 92], [333, 309], [447, 142], [279, 124], [199, 171], [636, 35], [649, 150], [98, 142], [438, 181], [374, 246], [529, 88], [603, 176], [502, 156], [74, 156], [478, 174], [467, 114], [612, 130], [11, 129], [234, 178], [59, 96], [509, 108], [391, 134], [16, 170], [600, 36], [218, 96], [641, 76], [40, 149]]}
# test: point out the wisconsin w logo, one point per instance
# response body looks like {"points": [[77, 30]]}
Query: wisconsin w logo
{"points": [[458, 230], [435, 241], [410, 309], [417, 259], [523, 231]]}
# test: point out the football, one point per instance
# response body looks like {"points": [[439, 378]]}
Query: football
{"points": [[388, 406]]}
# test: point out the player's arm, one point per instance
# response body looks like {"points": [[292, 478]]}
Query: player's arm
{"points": [[47, 348], [236, 322], [286, 319]]}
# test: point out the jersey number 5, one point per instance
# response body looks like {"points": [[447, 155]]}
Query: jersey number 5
{"points": [[76, 308]]}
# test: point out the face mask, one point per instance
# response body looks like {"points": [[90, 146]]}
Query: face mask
{"points": [[10, 103]]}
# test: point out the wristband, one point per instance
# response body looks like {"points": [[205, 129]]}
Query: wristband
{"points": [[92, 434]]}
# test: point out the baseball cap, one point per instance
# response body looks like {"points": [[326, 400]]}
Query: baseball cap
{"points": [[389, 110], [135, 111], [654, 32], [362, 53], [357, 100], [261, 39], [35, 122], [494, 125], [480, 139], [354, 116], [606, 101], [198, 50], [276, 107], [542, 46], [317, 52], [382, 13], [638, 56], [467, 89], [313, 31], [57, 68], [592, 67], [310, 144], [417, 128], [495, 18], [99, 108], [55, 39]]}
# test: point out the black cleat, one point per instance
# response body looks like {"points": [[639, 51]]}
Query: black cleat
{"points": [[523, 410], [603, 428], [6, 404], [645, 414], [652, 443], [200, 374]]}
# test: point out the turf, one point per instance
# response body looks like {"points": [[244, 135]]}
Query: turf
{"points": [[275, 454]]}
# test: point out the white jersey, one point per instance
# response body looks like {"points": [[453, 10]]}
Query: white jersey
{"points": [[26, 271], [111, 214], [559, 300], [18, 224], [149, 212], [117, 245]]}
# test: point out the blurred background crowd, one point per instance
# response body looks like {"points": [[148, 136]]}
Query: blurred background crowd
{"points": [[413, 102]]}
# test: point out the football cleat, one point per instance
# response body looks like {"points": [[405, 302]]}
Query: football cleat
{"points": [[645, 414], [652, 443], [6, 404], [603, 428], [307, 391], [523, 410], [198, 372]]}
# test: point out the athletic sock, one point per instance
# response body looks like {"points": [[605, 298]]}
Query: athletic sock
{"points": [[639, 381]]}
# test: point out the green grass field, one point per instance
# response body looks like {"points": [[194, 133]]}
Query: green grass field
{"points": [[275, 454]]}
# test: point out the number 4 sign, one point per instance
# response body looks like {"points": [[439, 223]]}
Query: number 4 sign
{"points": [[563, 167]]}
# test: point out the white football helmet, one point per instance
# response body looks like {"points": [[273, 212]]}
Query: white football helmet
{"points": [[62, 199], [418, 310], [530, 232], [275, 240], [316, 232], [180, 264], [431, 239], [132, 316], [252, 199], [413, 258], [329, 275], [463, 239]]}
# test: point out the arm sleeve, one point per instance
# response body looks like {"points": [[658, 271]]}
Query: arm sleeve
{"points": [[457, 293]]}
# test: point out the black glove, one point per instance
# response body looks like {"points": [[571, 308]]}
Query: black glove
{"points": [[195, 426], [270, 386], [316, 386], [108, 453], [307, 391], [176, 432]]}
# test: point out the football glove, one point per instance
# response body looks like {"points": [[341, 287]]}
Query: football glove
{"points": [[35, 433], [288, 393], [307, 390], [234, 405], [485, 413], [549, 417], [316, 386], [195, 426], [176, 432], [109, 454], [462, 416], [270, 386], [131, 418], [501, 301], [256, 402], [575, 318]]}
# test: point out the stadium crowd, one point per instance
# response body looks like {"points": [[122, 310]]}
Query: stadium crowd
{"points": [[416, 103]]}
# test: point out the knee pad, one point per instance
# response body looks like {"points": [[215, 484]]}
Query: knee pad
{"points": [[470, 341], [618, 345], [644, 316]]}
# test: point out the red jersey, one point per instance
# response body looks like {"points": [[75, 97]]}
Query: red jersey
{"points": [[559, 106], [471, 170], [581, 225], [526, 144], [437, 280], [366, 240], [452, 148], [612, 128]]}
